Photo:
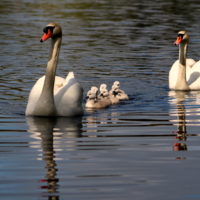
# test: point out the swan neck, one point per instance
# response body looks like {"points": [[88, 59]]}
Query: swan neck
{"points": [[46, 100], [183, 53], [181, 81], [52, 65]]}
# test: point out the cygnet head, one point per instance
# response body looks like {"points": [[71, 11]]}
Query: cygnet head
{"points": [[102, 86], [115, 89], [117, 83], [91, 95], [94, 89], [104, 93]]}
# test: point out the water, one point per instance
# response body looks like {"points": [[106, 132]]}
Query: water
{"points": [[144, 148]]}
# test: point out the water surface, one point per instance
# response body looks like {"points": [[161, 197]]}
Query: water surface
{"points": [[144, 148]]}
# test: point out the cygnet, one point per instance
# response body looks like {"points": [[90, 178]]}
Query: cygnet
{"points": [[102, 86], [112, 95], [93, 102], [120, 94], [104, 96]]}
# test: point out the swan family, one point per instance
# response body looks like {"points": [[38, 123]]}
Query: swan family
{"points": [[56, 96]]}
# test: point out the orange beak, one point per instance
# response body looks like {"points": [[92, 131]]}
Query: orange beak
{"points": [[178, 40], [46, 36]]}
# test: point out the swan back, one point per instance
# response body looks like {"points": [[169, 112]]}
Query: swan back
{"points": [[68, 99], [173, 73]]}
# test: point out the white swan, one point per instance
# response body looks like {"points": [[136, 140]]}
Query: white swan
{"points": [[184, 73], [52, 95]]}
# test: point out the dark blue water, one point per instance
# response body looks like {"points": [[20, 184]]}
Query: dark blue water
{"points": [[144, 148]]}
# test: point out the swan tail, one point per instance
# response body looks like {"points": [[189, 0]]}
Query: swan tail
{"points": [[69, 76]]}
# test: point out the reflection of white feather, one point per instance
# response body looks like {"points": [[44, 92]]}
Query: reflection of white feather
{"points": [[181, 106], [65, 127]]}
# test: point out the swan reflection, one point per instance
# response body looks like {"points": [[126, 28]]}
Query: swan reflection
{"points": [[47, 130], [59, 127], [181, 112], [179, 97], [94, 122]]}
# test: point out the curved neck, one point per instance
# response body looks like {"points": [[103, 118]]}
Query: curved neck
{"points": [[46, 101], [181, 81], [48, 87]]}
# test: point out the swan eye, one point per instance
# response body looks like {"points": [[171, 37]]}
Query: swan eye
{"points": [[181, 35], [45, 30]]}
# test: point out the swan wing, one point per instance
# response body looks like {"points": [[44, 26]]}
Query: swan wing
{"points": [[37, 90], [34, 96], [193, 76], [68, 99], [173, 73], [68, 96]]}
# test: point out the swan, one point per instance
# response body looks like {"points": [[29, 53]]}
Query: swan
{"points": [[184, 73], [119, 93], [93, 101], [52, 95]]}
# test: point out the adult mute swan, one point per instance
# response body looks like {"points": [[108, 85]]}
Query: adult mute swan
{"points": [[184, 73], [52, 95]]}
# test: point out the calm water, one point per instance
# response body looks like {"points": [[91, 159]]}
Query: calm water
{"points": [[144, 148]]}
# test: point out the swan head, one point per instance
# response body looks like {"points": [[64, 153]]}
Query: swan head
{"points": [[181, 37], [52, 30]]}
